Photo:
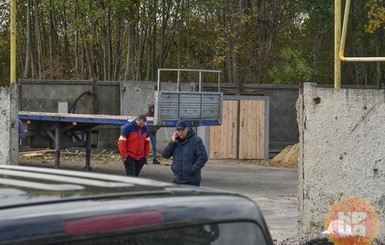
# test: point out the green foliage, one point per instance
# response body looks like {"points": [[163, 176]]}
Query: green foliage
{"points": [[292, 68], [4, 62], [250, 41], [376, 15]]}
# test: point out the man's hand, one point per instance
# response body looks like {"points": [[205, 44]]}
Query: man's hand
{"points": [[174, 136]]}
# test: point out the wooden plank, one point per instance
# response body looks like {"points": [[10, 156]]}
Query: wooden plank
{"points": [[252, 129], [261, 112], [223, 139], [246, 131], [36, 153], [215, 138], [230, 131]]}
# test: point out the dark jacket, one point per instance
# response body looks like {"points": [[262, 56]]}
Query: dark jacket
{"points": [[132, 141], [152, 130], [188, 158], [21, 130]]}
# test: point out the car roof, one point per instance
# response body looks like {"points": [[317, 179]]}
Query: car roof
{"points": [[27, 186], [23, 185], [30, 195]]}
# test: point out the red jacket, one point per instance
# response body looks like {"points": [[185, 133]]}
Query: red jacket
{"points": [[133, 141]]}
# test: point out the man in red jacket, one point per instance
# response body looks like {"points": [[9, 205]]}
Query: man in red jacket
{"points": [[134, 146]]}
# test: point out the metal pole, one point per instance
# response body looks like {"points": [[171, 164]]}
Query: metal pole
{"points": [[344, 27], [58, 138], [158, 79], [13, 42], [337, 42], [177, 82], [87, 167], [343, 40]]}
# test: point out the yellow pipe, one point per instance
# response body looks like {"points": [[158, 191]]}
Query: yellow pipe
{"points": [[337, 42], [344, 28], [361, 59], [343, 40], [13, 42]]}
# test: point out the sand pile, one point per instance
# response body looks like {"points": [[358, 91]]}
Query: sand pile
{"points": [[288, 157]]}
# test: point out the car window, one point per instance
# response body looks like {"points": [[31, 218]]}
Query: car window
{"points": [[220, 233]]}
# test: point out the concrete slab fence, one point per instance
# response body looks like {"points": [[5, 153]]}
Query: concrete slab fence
{"points": [[342, 138]]}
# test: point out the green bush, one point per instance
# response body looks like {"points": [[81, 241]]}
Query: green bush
{"points": [[291, 68]]}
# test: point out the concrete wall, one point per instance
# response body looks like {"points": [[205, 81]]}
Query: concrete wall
{"points": [[137, 95], [9, 147], [133, 97], [44, 95], [342, 152], [282, 121]]}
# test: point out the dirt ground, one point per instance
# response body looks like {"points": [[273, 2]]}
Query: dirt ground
{"points": [[107, 159]]}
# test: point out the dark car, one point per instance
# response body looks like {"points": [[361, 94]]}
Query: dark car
{"points": [[51, 206]]}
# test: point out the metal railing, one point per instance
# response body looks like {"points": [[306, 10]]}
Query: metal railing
{"points": [[188, 70]]}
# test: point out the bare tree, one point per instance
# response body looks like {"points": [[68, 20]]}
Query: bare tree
{"points": [[29, 42], [38, 39]]}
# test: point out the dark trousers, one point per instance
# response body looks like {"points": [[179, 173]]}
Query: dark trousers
{"points": [[133, 167]]}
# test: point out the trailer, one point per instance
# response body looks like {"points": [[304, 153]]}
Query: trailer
{"points": [[65, 130]]}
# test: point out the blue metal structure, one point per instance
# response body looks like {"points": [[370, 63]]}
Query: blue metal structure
{"points": [[65, 130], [76, 118]]}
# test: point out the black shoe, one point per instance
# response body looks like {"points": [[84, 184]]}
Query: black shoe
{"points": [[155, 161]]}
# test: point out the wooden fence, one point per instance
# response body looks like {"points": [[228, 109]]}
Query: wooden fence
{"points": [[244, 133]]}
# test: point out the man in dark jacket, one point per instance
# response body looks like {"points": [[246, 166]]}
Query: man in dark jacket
{"points": [[134, 145], [188, 155]]}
